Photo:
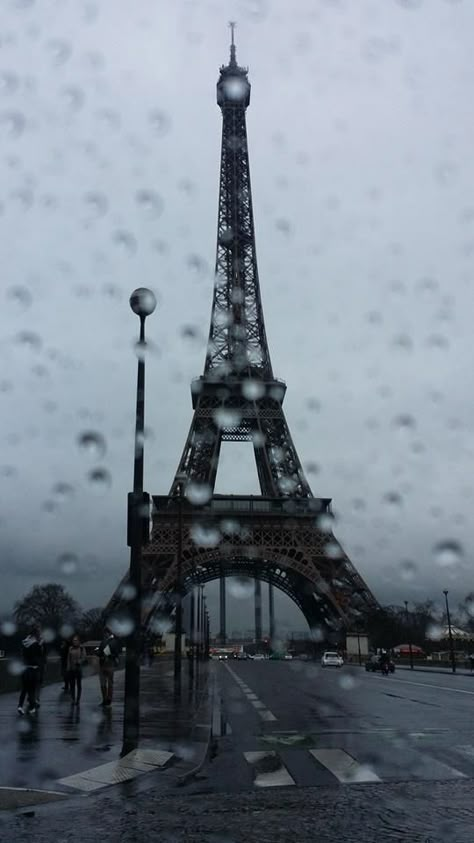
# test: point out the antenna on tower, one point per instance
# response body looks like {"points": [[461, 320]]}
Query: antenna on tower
{"points": [[233, 59]]}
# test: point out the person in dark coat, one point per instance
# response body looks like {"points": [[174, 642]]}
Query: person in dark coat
{"points": [[32, 652], [64, 651]]}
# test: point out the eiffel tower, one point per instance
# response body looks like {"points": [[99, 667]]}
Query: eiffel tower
{"points": [[284, 536]]}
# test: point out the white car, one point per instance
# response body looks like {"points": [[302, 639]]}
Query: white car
{"points": [[332, 660], [258, 657]]}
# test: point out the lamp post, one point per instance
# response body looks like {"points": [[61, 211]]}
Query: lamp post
{"points": [[178, 635], [143, 303], [409, 634], [451, 645]]}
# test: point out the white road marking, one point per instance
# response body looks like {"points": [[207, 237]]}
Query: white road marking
{"points": [[342, 765], [274, 778], [262, 710], [438, 687], [132, 765]]}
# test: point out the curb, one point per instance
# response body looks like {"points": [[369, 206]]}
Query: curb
{"points": [[206, 706]]}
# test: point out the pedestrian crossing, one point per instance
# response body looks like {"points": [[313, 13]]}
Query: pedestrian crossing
{"points": [[336, 766]]}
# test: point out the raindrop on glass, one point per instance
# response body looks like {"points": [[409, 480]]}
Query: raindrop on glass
{"points": [[198, 493], [347, 682], [8, 82], [205, 536], [403, 342], [159, 122], [96, 203], [127, 591], [58, 50], [100, 480], [92, 444], [121, 626], [150, 203], [125, 241], [66, 630], [73, 97], [448, 553], [404, 421], [393, 499], [21, 296], [325, 523], [252, 390], [8, 628], [227, 417], [67, 563], [408, 570], [240, 587], [12, 124], [63, 491], [15, 667], [29, 340]]}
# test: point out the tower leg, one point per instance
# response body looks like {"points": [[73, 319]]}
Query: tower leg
{"points": [[258, 611], [271, 614], [223, 632]]}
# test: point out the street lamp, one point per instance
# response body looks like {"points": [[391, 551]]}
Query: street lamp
{"points": [[178, 633], [143, 303], [451, 645], [409, 634]]}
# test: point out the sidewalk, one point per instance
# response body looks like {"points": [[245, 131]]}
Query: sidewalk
{"points": [[60, 740], [460, 671]]}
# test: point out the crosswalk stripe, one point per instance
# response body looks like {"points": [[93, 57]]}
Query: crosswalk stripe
{"points": [[342, 765], [277, 777]]}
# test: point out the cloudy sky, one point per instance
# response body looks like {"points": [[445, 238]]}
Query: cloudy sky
{"points": [[360, 136]]}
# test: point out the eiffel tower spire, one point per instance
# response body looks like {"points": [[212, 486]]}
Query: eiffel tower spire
{"points": [[237, 339]]}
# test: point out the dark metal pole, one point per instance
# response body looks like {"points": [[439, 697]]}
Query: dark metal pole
{"points": [[258, 611], [409, 634], [358, 647], [191, 636], [451, 644], [198, 625], [179, 596], [271, 614], [143, 304], [223, 620], [203, 620]]}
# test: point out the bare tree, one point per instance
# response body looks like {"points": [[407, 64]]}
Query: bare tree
{"points": [[49, 605]]}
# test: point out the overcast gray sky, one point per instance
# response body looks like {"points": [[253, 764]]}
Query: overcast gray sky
{"points": [[360, 136]]}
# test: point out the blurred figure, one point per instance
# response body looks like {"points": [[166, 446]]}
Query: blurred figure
{"points": [[42, 666], [108, 652], [64, 650], [76, 657], [33, 659]]}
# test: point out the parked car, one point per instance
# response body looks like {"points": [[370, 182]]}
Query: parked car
{"points": [[331, 659], [373, 664], [258, 657]]}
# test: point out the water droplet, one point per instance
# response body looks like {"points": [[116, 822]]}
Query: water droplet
{"points": [[100, 480], [403, 342], [150, 203], [198, 493], [49, 635], [448, 553], [63, 491], [197, 264], [109, 119], [408, 570], [227, 417], [312, 468], [8, 82], [30, 340], [159, 122], [59, 50], [284, 226], [92, 443], [66, 631], [393, 499], [127, 591], [126, 241], [332, 550], [434, 632], [252, 390], [12, 124], [404, 421], [121, 626], [73, 97], [67, 563], [347, 682], [313, 404], [205, 536], [96, 204], [256, 10], [8, 628], [15, 667], [240, 587], [325, 523], [437, 341], [192, 334], [410, 4], [21, 296], [235, 88]]}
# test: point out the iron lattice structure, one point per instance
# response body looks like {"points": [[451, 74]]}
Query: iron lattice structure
{"points": [[285, 536]]}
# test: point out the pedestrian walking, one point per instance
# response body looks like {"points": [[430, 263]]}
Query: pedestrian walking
{"points": [[471, 661], [108, 652], [76, 657], [33, 657], [64, 650]]}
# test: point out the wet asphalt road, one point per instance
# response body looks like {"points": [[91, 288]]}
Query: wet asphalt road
{"points": [[337, 727], [304, 754]]}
